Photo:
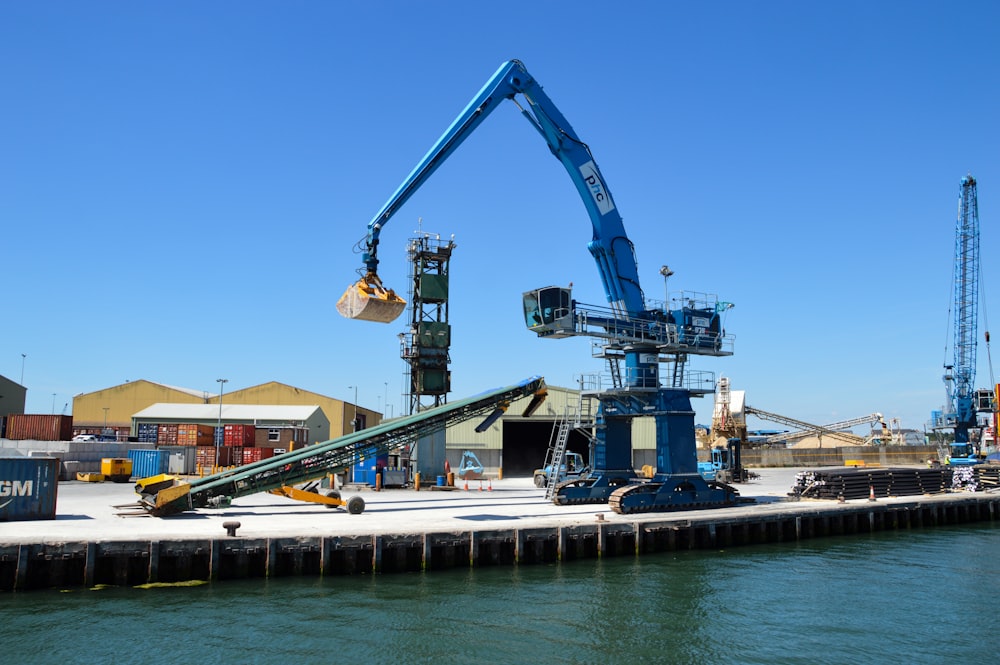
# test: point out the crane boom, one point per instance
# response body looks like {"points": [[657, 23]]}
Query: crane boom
{"points": [[610, 247], [836, 427], [792, 422]]}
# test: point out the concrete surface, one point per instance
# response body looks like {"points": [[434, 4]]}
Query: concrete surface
{"points": [[87, 511]]}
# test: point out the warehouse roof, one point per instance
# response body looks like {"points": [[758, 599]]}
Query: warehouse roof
{"points": [[231, 412]]}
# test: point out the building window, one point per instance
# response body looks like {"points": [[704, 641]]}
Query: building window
{"points": [[274, 434]]}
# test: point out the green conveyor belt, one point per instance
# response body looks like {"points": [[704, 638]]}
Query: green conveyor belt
{"points": [[317, 460]]}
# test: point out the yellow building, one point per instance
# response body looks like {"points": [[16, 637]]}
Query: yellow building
{"points": [[339, 413], [114, 407]]}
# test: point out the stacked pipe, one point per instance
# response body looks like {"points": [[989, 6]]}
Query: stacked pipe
{"points": [[862, 483], [988, 477]]}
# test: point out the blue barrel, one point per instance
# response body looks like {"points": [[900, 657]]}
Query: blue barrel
{"points": [[146, 463], [442, 480], [28, 487]]}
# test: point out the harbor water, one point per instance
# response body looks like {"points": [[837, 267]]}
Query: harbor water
{"points": [[920, 596]]}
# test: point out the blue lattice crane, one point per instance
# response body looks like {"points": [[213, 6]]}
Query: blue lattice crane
{"points": [[960, 376]]}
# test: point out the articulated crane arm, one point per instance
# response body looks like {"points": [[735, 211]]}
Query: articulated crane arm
{"points": [[369, 300]]}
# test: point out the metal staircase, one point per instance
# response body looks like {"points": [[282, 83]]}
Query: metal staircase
{"points": [[576, 417]]}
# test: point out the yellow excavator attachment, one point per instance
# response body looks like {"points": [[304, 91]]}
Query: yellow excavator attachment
{"points": [[368, 300]]}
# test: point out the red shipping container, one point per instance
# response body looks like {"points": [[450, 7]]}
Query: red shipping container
{"points": [[239, 435], [251, 455], [39, 427], [167, 435], [195, 435], [205, 456]]}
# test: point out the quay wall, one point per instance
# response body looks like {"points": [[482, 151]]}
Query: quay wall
{"points": [[58, 565]]}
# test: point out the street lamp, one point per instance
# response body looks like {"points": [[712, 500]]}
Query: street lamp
{"points": [[218, 432], [23, 356], [666, 272], [354, 421]]}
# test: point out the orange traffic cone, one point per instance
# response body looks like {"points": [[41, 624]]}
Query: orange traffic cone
{"points": [[490, 488], [871, 492], [480, 484], [466, 484]]}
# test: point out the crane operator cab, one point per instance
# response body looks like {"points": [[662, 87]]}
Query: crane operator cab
{"points": [[548, 311]]}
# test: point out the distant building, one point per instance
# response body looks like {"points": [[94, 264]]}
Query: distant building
{"points": [[113, 408], [12, 395]]}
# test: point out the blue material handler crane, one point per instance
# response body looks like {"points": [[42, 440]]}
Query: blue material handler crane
{"points": [[631, 332]]}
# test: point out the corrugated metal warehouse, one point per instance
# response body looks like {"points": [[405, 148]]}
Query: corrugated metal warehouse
{"points": [[115, 407], [518, 445]]}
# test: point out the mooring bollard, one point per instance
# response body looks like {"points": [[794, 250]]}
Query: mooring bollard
{"points": [[230, 528]]}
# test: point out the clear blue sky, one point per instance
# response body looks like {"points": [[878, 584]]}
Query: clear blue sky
{"points": [[182, 185]]}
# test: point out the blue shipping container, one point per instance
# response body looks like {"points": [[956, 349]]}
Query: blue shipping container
{"points": [[28, 488], [148, 432], [146, 463]]}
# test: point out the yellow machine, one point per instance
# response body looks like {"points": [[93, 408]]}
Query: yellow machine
{"points": [[116, 469], [331, 499], [368, 300]]}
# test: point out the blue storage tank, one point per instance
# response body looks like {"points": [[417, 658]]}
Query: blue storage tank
{"points": [[28, 488], [146, 463]]}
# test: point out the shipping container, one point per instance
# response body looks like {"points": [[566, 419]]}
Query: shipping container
{"points": [[240, 435], [206, 456], [251, 455], [195, 435], [147, 432], [146, 463], [28, 488], [166, 435], [40, 427], [181, 460]]}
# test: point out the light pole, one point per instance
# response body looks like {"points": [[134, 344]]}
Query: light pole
{"points": [[666, 272], [53, 402], [386, 396], [354, 420], [219, 434], [23, 356]]}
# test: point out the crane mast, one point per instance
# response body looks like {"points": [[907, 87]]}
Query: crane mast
{"points": [[960, 377]]}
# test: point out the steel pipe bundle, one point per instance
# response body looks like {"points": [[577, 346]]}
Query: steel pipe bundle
{"points": [[863, 483]]}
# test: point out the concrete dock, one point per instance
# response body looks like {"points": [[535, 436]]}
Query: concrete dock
{"points": [[493, 522]]}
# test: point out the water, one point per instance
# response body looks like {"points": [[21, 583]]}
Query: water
{"points": [[899, 597]]}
